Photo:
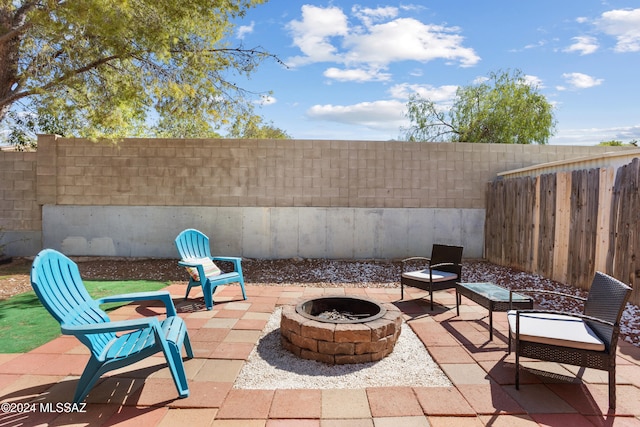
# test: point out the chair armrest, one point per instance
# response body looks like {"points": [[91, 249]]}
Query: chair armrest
{"points": [[565, 313], [414, 258], [442, 264], [163, 296], [542, 291], [227, 258], [115, 326]]}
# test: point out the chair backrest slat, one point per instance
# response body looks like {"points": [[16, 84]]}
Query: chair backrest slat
{"points": [[445, 253], [57, 283], [606, 300], [192, 243]]}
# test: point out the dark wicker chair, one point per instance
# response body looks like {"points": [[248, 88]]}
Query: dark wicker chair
{"points": [[588, 340], [443, 270]]}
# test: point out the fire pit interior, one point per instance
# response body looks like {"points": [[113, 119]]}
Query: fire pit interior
{"points": [[339, 329]]}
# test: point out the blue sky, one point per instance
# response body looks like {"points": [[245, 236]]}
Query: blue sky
{"points": [[352, 65]]}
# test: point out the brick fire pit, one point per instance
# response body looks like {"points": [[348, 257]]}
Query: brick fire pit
{"points": [[366, 333]]}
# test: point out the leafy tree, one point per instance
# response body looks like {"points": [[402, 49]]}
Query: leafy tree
{"points": [[618, 143], [254, 128], [116, 68], [505, 108]]}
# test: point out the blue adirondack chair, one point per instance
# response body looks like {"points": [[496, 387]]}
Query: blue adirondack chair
{"points": [[195, 254], [57, 283]]}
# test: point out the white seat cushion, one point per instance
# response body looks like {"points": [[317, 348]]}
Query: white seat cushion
{"points": [[437, 276], [210, 269], [554, 329]]}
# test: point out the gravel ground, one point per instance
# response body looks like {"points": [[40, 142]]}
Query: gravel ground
{"points": [[272, 367], [312, 272]]}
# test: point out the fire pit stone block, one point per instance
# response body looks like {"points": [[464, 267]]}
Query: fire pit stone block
{"points": [[340, 343]]}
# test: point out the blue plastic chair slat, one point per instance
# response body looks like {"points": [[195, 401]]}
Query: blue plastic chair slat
{"points": [[57, 283], [193, 244]]}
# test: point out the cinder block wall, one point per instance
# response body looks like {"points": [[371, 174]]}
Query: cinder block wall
{"points": [[265, 198]]}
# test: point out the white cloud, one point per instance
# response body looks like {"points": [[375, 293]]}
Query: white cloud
{"points": [[594, 136], [244, 30], [583, 45], [313, 34], [356, 75], [580, 81], [385, 115], [441, 94], [368, 16], [534, 81], [624, 25], [324, 35]]}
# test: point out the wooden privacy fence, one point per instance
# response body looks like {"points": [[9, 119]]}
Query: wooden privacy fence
{"points": [[567, 225]]}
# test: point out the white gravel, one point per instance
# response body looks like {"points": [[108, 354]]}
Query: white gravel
{"points": [[271, 367]]}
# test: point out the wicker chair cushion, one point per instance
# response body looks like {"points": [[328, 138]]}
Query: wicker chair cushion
{"points": [[210, 269], [437, 276], [553, 329]]}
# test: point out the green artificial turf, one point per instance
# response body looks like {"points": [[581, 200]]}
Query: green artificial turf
{"points": [[25, 324]]}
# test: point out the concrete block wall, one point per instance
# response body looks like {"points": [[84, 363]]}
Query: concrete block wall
{"points": [[274, 198], [20, 214]]}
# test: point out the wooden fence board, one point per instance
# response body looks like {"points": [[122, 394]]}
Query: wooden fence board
{"points": [[567, 225], [546, 224]]}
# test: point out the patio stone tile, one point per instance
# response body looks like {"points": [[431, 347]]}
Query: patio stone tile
{"points": [[246, 404], [232, 350], [455, 422], [229, 314], [194, 324], [115, 391], [567, 420], [26, 387], [25, 363], [6, 380], [251, 315], [345, 403], [508, 421], [239, 423], [242, 336], [263, 307], [209, 334], [219, 323], [352, 422], [219, 370], [538, 398], [583, 399], [393, 402], [56, 346], [93, 416], [141, 369], [154, 392], [443, 401], [465, 373], [415, 421], [189, 417], [240, 306], [294, 423], [432, 334], [491, 352], [192, 368], [613, 421], [489, 399], [28, 419], [250, 324], [132, 416], [296, 404], [502, 373], [449, 354]]}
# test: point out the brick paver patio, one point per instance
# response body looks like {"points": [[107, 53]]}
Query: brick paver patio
{"points": [[481, 371]]}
